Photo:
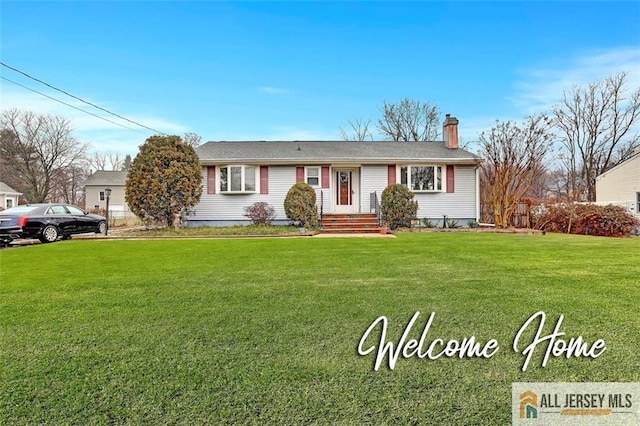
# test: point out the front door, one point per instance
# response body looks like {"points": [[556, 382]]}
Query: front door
{"points": [[345, 191]]}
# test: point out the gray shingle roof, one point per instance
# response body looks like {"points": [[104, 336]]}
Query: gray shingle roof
{"points": [[322, 152], [107, 178], [6, 189]]}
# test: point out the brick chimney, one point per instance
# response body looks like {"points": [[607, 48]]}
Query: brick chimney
{"points": [[450, 132]]}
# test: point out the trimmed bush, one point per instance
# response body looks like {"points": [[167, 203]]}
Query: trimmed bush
{"points": [[300, 205], [260, 213], [586, 219], [397, 206]]}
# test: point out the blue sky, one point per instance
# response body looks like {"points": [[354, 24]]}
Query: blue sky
{"points": [[300, 70]]}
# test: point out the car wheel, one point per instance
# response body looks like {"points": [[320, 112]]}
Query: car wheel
{"points": [[49, 234], [102, 227]]}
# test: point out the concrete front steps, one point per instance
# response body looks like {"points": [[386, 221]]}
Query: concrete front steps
{"points": [[350, 223]]}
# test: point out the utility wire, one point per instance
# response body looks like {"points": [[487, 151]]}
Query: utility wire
{"points": [[69, 105], [80, 99]]}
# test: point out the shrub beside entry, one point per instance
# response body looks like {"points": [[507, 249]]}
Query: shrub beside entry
{"points": [[397, 206], [300, 205]]}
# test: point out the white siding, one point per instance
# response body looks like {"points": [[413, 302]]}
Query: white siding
{"points": [[92, 196], [13, 201], [374, 179], [323, 196], [231, 206], [620, 185], [460, 204]]}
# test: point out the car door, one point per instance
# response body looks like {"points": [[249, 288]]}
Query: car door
{"points": [[59, 216], [83, 223]]}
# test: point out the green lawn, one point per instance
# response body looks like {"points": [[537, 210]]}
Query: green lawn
{"points": [[266, 330], [209, 231]]}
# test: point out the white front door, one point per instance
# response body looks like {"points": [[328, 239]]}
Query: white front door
{"points": [[346, 190]]}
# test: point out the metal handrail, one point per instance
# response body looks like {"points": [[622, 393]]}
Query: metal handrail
{"points": [[321, 207], [375, 206]]}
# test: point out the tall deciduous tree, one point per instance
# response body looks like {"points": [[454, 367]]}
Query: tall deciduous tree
{"points": [[360, 129], [106, 160], [38, 149], [409, 120], [513, 160], [68, 187], [8, 174], [164, 180], [596, 124], [192, 139]]}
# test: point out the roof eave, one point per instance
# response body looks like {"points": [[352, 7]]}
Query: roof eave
{"points": [[298, 161]]}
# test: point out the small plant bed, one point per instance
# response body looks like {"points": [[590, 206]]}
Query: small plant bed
{"points": [[206, 231]]}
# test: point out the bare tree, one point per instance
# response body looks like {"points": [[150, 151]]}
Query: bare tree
{"points": [[68, 186], [409, 120], [192, 139], [513, 161], [39, 149], [8, 174], [107, 160], [596, 125], [360, 130]]}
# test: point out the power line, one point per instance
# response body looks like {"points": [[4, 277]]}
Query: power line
{"points": [[80, 99], [69, 105]]}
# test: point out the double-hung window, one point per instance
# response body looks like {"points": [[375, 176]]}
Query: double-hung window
{"points": [[637, 202], [422, 178], [312, 176], [237, 179]]}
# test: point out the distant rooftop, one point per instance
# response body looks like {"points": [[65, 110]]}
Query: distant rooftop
{"points": [[6, 189], [107, 178]]}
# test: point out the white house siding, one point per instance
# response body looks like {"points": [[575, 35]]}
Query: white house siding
{"points": [[118, 207], [459, 205], [223, 209], [324, 199], [374, 178], [8, 196], [7, 201], [227, 209], [620, 185]]}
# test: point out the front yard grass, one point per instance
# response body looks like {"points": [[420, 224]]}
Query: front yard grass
{"points": [[207, 231], [265, 331]]}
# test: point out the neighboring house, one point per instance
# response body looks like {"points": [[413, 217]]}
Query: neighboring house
{"points": [[95, 196], [347, 176], [621, 185], [8, 196]]}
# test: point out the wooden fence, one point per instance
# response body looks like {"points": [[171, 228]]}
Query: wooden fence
{"points": [[521, 217]]}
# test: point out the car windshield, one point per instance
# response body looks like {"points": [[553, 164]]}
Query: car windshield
{"points": [[19, 209]]}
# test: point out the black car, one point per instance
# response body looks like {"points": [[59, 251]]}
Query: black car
{"points": [[47, 222]]}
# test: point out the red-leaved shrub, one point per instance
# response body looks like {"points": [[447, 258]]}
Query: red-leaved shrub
{"points": [[260, 213], [586, 219]]}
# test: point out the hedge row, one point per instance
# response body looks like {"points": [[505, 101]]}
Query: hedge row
{"points": [[586, 219]]}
